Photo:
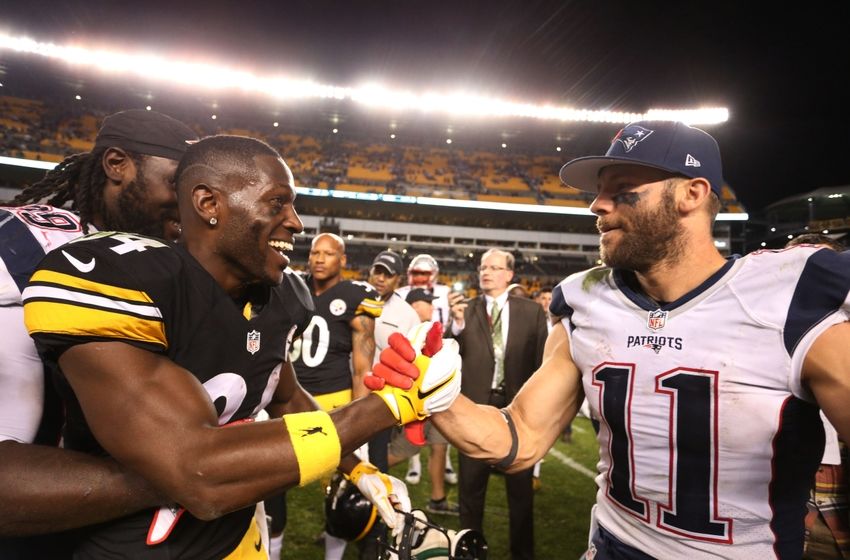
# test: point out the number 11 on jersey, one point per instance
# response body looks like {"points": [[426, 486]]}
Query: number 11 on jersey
{"points": [[691, 509]]}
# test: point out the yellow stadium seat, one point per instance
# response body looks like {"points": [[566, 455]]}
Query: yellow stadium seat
{"points": [[360, 188], [508, 199]]}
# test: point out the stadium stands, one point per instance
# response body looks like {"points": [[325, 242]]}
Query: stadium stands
{"points": [[31, 129], [366, 164]]}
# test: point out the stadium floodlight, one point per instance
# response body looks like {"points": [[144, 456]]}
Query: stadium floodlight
{"points": [[169, 70]]}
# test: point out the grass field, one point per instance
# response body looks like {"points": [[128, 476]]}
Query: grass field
{"points": [[561, 506]]}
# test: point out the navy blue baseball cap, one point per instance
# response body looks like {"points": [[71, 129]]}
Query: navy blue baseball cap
{"points": [[666, 145]]}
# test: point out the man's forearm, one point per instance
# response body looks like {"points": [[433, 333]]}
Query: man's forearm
{"points": [[476, 430], [46, 489]]}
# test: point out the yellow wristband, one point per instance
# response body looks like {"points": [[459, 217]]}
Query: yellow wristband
{"points": [[315, 443]]}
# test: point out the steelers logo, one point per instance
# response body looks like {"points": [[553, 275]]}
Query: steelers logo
{"points": [[337, 307]]}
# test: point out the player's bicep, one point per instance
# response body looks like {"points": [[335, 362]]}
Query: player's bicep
{"points": [[826, 371], [146, 411], [553, 392]]}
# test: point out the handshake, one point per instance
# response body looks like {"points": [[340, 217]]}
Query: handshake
{"points": [[418, 375]]}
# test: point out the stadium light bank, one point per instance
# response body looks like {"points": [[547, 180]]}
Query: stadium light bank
{"points": [[422, 200], [210, 76]]}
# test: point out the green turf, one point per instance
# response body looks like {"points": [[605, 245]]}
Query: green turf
{"points": [[561, 507]]}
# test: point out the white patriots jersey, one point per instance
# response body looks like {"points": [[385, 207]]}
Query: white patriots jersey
{"points": [[708, 441], [441, 303], [27, 233]]}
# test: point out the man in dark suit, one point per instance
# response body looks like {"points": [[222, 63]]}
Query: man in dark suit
{"points": [[501, 341]]}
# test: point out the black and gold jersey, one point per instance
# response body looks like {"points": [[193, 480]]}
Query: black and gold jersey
{"points": [[322, 359], [153, 295]]}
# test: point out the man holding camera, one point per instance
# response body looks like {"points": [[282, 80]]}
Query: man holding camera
{"points": [[501, 341]]}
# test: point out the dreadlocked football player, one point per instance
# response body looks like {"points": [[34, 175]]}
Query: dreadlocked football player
{"points": [[156, 346], [126, 183]]}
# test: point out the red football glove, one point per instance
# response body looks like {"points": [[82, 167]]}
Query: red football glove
{"points": [[396, 366]]}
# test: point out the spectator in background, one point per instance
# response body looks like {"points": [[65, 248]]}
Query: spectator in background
{"points": [[422, 302], [828, 517], [396, 316], [501, 341], [543, 297], [518, 290]]}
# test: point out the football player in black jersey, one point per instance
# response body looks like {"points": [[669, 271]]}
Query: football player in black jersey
{"points": [[157, 346], [342, 331], [337, 348]]}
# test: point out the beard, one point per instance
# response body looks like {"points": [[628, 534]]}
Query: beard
{"points": [[133, 213], [652, 236]]}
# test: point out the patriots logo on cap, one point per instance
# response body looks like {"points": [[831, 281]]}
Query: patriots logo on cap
{"points": [[631, 136]]}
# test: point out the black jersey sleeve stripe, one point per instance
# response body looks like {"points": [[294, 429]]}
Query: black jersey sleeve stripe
{"points": [[821, 290]]}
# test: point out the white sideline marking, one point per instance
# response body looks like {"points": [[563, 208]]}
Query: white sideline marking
{"points": [[572, 464]]}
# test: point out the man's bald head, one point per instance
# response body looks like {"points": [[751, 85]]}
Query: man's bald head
{"points": [[340, 243]]}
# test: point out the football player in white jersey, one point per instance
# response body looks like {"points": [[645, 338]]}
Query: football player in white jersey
{"points": [[126, 183], [706, 372]]}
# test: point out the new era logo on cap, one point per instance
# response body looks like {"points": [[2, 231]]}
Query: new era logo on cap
{"points": [[666, 145]]}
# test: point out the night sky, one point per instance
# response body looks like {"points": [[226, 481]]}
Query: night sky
{"points": [[780, 72]]}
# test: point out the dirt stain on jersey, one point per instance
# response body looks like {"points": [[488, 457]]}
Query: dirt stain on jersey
{"points": [[593, 277]]}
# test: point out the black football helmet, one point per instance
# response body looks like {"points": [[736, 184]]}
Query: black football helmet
{"points": [[349, 514]]}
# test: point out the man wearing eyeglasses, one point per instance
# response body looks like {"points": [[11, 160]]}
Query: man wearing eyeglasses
{"points": [[501, 341]]}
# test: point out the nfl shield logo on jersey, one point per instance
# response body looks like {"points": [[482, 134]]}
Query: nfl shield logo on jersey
{"points": [[656, 320], [253, 343]]}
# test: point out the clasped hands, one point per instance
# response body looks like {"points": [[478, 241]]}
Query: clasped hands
{"points": [[417, 375]]}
